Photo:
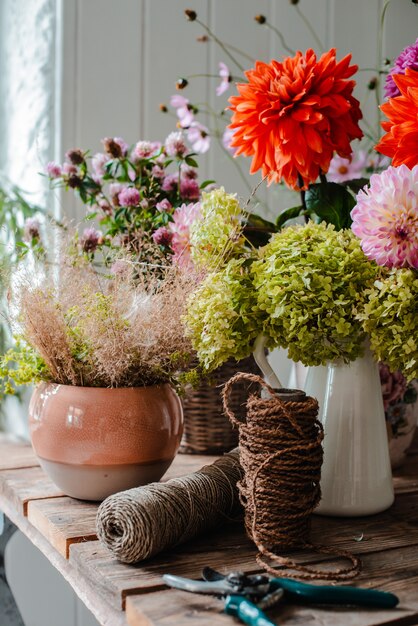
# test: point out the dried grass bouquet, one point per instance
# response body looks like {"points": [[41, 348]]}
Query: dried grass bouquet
{"points": [[75, 325]]}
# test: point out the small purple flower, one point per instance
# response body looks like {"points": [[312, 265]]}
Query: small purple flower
{"points": [[198, 135], [116, 147], [53, 169], [341, 169], [143, 150], [32, 229], [164, 206], [170, 182], [407, 58], [158, 171], [227, 138], [68, 169], [183, 109], [188, 172], [162, 236], [225, 79], [189, 189], [174, 145], [129, 197], [90, 239], [98, 163]]}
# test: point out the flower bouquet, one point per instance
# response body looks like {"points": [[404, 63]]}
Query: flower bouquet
{"points": [[327, 293]]}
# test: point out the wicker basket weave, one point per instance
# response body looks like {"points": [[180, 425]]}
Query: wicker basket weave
{"points": [[206, 429]]}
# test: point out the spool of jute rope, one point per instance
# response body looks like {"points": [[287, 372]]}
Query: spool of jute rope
{"points": [[141, 522], [281, 455]]}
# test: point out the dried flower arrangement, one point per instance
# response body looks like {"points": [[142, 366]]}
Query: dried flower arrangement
{"points": [[76, 326]]}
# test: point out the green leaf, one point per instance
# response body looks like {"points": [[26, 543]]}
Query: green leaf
{"points": [[331, 202], [259, 222], [356, 184], [288, 214], [90, 216], [190, 161], [206, 183]]}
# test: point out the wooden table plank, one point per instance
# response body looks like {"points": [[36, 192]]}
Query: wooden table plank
{"points": [[176, 608], [64, 521], [15, 454], [19, 486]]}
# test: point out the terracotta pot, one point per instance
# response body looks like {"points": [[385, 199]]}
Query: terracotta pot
{"points": [[93, 442]]}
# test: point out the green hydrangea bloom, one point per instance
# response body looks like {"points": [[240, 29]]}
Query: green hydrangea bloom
{"points": [[310, 280], [221, 317], [391, 319], [216, 237]]}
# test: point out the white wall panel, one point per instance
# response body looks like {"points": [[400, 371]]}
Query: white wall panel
{"points": [[122, 60]]}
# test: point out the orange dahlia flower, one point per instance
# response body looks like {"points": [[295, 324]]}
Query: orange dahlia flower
{"points": [[291, 117], [401, 140]]}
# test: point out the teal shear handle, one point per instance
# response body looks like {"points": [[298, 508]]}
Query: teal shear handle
{"points": [[246, 611], [327, 594]]}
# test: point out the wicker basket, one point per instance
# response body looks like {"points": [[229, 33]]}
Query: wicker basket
{"points": [[206, 429]]}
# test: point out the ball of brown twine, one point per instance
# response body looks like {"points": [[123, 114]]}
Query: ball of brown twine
{"points": [[281, 455], [141, 522]]}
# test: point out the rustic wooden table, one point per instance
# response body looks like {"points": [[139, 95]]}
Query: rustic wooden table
{"points": [[64, 530]]}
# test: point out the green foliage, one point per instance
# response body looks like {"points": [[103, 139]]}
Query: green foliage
{"points": [[19, 366], [331, 202], [221, 316], [309, 282], [390, 318], [216, 237]]}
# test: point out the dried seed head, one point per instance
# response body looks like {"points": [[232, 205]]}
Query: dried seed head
{"points": [[190, 14], [181, 83], [261, 19], [163, 108]]}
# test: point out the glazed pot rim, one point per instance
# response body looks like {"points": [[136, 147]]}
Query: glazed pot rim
{"points": [[87, 387]]}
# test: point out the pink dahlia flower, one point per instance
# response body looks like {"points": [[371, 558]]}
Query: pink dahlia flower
{"points": [[129, 197], [341, 169], [183, 218], [225, 79], [407, 58], [385, 217]]}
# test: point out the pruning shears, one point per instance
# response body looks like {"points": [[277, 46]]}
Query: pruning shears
{"points": [[247, 595]]}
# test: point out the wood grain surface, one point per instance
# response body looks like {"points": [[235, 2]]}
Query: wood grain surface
{"points": [[64, 530]]}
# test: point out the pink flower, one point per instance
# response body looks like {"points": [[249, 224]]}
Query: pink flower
{"points": [[104, 206], [174, 145], [198, 135], [164, 205], [225, 79], [32, 229], [158, 171], [170, 182], [129, 196], [53, 169], [143, 150], [407, 58], [183, 109], [183, 218], [385, 217], [116, 147], [341, 169], [188, 172], [227, 138], [189, 189], [90, 239], [393, 385], [162, 236], [68, 169], [98, 163]]}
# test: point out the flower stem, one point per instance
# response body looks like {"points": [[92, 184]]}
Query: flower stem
{"points": [[310, 28], [281, 37], [221, 45]]}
